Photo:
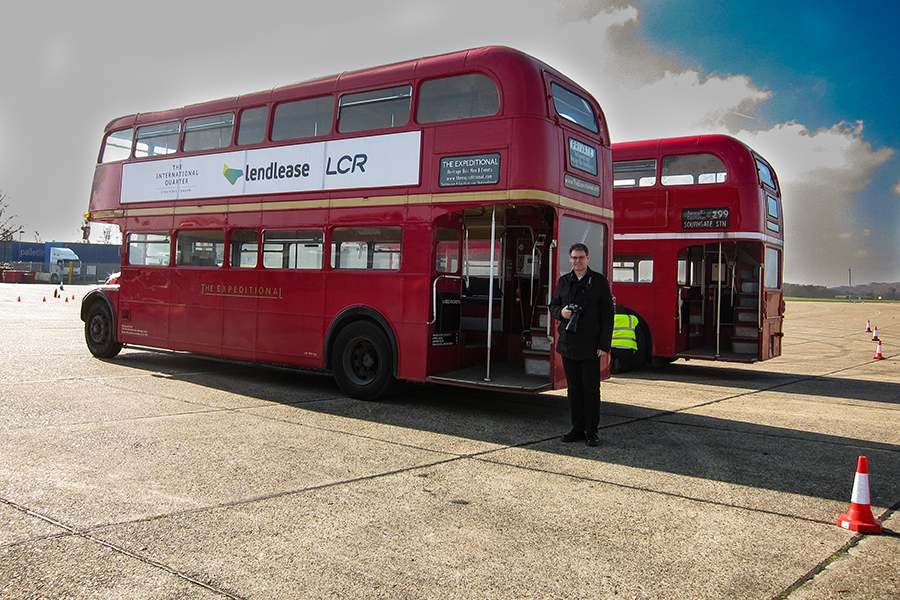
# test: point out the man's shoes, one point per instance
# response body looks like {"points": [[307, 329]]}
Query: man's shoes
{"points": [[573, 436], [592, 439]]}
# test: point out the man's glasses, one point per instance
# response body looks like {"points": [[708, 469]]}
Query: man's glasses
{"points": [[577, 258]]}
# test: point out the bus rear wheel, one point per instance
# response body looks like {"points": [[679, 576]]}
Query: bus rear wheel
{"points": [[363, 362], [98, 332]]}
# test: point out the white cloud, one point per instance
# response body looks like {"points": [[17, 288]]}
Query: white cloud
{"points": [[821, 174]]}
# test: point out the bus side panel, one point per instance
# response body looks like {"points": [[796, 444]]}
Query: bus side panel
{"points": [[646, 301], [143, 306], [410, 327], [641, 209], [243, 296], [196, 310], [106, 187], [289, 322]]}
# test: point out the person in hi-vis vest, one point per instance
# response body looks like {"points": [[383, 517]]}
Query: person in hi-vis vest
{"points": [[624, 339]]}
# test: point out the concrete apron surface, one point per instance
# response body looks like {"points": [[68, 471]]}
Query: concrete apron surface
{"points": [[165, 475]]}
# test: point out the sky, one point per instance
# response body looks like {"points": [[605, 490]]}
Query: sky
{"points": [[810, 85]]}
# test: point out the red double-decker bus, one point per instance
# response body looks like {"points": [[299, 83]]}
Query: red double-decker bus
{"points": [[405, 222], [698, 250]]}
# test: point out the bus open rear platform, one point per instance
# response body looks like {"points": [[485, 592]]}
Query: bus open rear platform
{"points": [[507, 375], [709, 353]]}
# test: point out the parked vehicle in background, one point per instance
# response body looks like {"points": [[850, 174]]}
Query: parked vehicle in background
{"points": [[698, 250]]}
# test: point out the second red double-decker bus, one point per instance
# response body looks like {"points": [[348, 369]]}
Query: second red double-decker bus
{"points": [[698, 250], [405, 222]]}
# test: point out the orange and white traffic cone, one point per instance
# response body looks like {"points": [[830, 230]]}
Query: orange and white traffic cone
{"points": [[878, 354], [875, 334], [868, 326], [859, 517]]}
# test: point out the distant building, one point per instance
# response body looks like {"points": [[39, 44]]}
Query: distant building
{"points": [[96, 261]]}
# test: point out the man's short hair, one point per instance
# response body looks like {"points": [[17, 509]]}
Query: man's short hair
{"points": [[579, 246]]}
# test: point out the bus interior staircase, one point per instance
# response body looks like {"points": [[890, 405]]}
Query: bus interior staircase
{"points": [[740, 319]]}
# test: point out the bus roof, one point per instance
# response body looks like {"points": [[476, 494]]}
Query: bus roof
{"points": [[715, 142], [502, 61]]}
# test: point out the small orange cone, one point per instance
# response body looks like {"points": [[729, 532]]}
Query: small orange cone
{"points": [[878, 355], [20, 299], [859, 516], [45, 298], [67, 299], [868, 326], [875, 334]]}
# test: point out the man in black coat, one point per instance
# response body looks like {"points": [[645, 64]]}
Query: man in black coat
{"points": [[583, 304]]}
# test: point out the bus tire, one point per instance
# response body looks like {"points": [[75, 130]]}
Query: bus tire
{"points": [[363, 362], [99, 333]]}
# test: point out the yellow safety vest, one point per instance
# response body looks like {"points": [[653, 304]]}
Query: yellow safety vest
{"points": [[623, 332]]}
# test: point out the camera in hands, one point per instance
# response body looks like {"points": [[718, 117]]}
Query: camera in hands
{"points": [[572, 325]]}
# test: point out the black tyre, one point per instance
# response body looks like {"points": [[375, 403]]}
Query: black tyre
{"points": [[99, 333], [363, 362]]}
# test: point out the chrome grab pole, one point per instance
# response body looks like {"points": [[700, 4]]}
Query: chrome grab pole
{"points": [[490, 323], [434, 295], [550, 289], [719, 305]]}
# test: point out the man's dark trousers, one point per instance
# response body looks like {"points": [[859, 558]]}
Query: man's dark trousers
{"points": [[584, 393]]}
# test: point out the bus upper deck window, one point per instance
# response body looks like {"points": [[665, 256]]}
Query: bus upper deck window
{"points": [[461, 97], [634, 173], [688, 169], [117, 146], [207, 133], [252, 127], [154, 140], [573, 107], [765, 174], [376, 109], [302, 119]]}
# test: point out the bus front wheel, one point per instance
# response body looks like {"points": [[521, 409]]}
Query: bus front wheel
{"points": [[98, 332], [363, 362]]}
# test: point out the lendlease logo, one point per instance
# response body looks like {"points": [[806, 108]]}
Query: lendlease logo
{"points": [[273, 170], [232, 175]]}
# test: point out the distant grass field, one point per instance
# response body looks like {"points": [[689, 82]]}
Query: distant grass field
{"points": [[857, 300]]}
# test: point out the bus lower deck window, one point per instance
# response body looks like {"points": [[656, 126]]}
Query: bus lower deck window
{"points": [[149, 249], [295, 249], [375, 248], [200, 248]]}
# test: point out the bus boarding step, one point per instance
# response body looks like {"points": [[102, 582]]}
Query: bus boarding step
{"points": [[537, 362]]}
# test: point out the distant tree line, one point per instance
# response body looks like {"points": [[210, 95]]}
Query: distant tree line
{"points": [[869, 291], [8, 230]]}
